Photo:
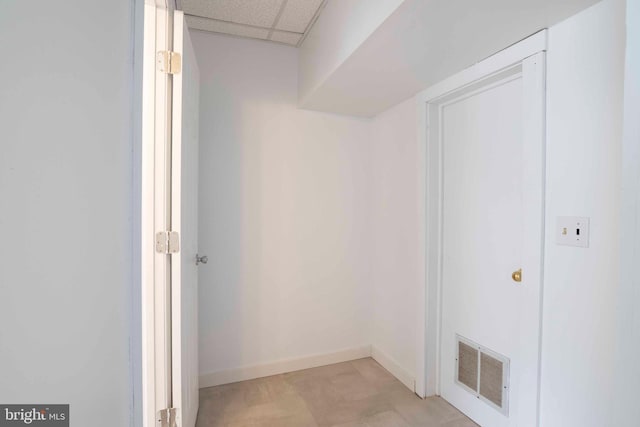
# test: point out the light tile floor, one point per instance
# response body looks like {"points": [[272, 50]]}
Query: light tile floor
{"points": [[351, 394]]}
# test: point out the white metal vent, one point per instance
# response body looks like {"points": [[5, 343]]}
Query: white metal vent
{"points": [[483, 372]]}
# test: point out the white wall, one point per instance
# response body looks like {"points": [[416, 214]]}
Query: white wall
{"points": [[340, 29], [626, 410], [397, 273], [283, 213], [584, 122], [584, 149], [135, 327], [65, 193], [417, 44]]}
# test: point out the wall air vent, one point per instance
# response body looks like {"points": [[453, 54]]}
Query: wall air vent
{"points": [[483, 372]]}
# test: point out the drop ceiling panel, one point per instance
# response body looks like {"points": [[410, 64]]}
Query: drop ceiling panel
{"points": [[261, 13], [226, 28], [281, 21], [287, 38], [297, 15]]}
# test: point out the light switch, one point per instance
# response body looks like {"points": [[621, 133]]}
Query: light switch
{"points": [[572, 231]]}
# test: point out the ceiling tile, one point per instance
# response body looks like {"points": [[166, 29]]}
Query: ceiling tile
{"points": [[288, 38], [297, 14], [261, 13], [226, 28]]}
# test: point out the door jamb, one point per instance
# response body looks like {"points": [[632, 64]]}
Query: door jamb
{"points": [[428, 331], [155, 213]]}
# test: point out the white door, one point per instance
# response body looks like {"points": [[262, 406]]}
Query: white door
{"points": [[491, 158], [184, 218]]}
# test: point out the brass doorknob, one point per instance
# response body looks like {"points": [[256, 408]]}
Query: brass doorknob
{"points": [[517, 275]]}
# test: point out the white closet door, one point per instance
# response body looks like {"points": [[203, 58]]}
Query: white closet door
{"points": [[491, 155]]}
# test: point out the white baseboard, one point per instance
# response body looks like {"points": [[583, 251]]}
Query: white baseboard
{"points": [[291, 365], [282, 366], [392, 366]]}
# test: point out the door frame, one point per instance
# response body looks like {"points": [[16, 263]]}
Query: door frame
{"points": [[530, 55], [155, 213]]}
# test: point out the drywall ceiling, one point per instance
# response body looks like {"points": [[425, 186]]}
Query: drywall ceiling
{"points": [[419, 44], [281, 21]]}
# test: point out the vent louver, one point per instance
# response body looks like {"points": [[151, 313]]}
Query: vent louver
{"points": [[468, 365], [483, 372]]}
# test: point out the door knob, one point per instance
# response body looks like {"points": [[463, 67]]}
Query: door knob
{"points": [[201, 259], [517, 275]]}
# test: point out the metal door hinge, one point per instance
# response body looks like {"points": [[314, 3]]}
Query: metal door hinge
{"points": [[169, 62], [167, 417], [167, 242]]}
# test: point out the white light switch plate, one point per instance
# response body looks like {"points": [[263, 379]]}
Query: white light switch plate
{"points": [[572, 231]]}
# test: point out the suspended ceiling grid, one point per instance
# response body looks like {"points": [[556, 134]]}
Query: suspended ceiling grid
{"points": [[280, 21]]}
